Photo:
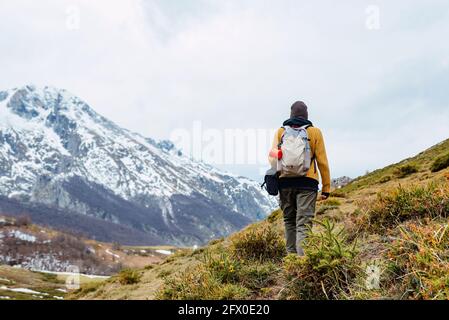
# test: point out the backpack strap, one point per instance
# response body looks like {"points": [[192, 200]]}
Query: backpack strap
{"points": [[281, 140]]}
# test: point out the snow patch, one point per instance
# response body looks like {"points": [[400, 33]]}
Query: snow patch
{"points": [[90, 276], [165, 252], [22, 236], [23, 290], [112, 254]]}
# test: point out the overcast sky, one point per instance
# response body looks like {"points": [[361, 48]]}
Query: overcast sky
{"points": [[375, 74]]}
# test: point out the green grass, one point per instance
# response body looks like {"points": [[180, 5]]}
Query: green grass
{"points": [[258, 243], [440, 163], [327, 270], [424, 160], [419, 263], [43, 283], [20, 296], [221, 275], [50, 277], [401, 204], [200, 284]]}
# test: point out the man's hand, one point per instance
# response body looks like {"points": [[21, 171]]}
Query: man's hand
{"points": [[324, 195]]}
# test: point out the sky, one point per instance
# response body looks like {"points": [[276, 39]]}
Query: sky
{"points": [[375, 74]]}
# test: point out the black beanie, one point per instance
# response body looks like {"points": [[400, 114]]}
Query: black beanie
{"points": [[299, 110]]}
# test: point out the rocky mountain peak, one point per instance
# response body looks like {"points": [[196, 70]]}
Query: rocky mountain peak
{"points": [[55, 150]]}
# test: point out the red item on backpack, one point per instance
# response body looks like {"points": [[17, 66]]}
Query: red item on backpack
{"points": [[276, 154], [279, 154]]}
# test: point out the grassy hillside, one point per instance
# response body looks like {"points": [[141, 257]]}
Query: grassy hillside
{"points": [[20, 284], [26, 246], [385, 235], [415, 168]]}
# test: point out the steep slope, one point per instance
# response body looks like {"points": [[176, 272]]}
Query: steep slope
{"points": [[401, 251], [411, 169], [57, 152]]}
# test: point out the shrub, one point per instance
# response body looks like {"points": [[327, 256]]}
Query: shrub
{"points": [[405, 170], [50, 277], [200, 250], [199, 284], [129, 276], [164, 274], [275, 216], [324, 208], [220, 276], [23, 221], [332, 202], [337, 193], [222, 267], [328, 204], [403, 204], [384, 179], [257, 276], [259, 243], [215, 241], [419, 260], [233, 292], [440, 163], [328, 268], [253, 275], [85, 289], [179, 253]]}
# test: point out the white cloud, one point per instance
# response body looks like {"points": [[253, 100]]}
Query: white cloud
{"points": [[153, 66]]}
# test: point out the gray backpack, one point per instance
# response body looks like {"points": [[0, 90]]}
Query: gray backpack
{"points": [[296, 154]]}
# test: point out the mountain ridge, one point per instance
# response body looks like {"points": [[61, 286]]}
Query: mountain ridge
{"points": [[55, 150]]}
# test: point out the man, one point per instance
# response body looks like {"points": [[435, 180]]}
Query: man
{"points": [[298, 194]]}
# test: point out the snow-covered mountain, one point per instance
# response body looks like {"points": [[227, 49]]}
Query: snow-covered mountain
{"points": [[57, 152]]}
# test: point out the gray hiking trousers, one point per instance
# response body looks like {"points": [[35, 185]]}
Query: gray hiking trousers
{"points": [[298, 207]]}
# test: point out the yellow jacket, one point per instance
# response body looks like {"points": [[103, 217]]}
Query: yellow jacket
{"points": [[318, 153]]}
